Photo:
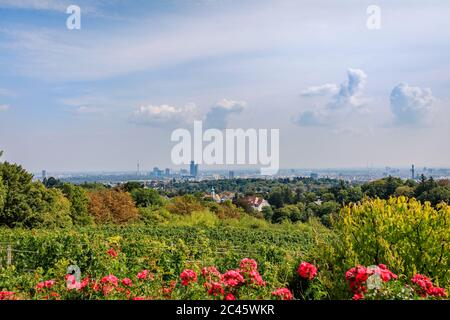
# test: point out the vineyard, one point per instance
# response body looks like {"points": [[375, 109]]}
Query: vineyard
{"points": [[164, 251], [169, 247]]}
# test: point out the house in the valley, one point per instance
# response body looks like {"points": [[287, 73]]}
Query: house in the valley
{"points": [[257, 203], [222, 197]]}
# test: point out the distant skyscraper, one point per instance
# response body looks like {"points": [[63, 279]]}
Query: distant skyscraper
{"points": [[193, 169], [44, 175], [157, 172], [230, 174], [167, 172], [413, 174]]}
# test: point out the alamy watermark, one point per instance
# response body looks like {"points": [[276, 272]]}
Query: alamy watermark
{"points": [[374, 18], [230, 147], [73, 21]]}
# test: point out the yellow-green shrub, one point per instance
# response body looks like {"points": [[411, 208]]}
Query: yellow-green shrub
{"points": [[408, 236]]}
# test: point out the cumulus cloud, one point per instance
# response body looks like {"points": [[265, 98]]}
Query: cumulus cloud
{"points": [[412, 105], [165, 115], [345, 99], [219, 114], [4, 107], [350, 92]]}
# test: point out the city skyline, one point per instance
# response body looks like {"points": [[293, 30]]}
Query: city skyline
{"points": [[107, 96]]}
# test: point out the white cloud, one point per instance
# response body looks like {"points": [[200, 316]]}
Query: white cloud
{"points": [[325, 89], [165, 115], [4, 107], [412, 105], [346, 99], [351, 90], [219, 114]]}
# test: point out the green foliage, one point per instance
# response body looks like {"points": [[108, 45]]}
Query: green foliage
{"points": [[79, 204], [29, 204], [184, 205], [131, 186], [408, 236], [197, 218], [267, 213], [436, 195], [146, 197], [383, 188], [405, 191], [50, 209], [225, 210], [52, 183], [292, 213], [154, 215], [281, 196], [93, 186], [3, 194]]}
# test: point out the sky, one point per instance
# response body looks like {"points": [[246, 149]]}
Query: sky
{"points": [[109, 95]]}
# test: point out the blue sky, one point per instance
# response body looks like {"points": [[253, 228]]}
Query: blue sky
{"points": [[110, 94]]}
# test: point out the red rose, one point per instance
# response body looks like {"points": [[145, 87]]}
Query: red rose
{"points": [[230, 297], [188, 276], [142, 275], [112, 253], [248, 264], [307, 271], [127, 282], [215, 289], [232, 278], [283, 294]]}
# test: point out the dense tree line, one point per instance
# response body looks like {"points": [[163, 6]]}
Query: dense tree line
{"points": [[54, 203], [299, 199]]}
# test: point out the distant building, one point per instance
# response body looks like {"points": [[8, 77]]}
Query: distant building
{"points": [[318, 202], [230, 174], [157, 172], [257, 203], [44, 175], [167, 172], [193, 169], [413, 174], [314, 176], [214, 196], [224, 196], [227, 195]]}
